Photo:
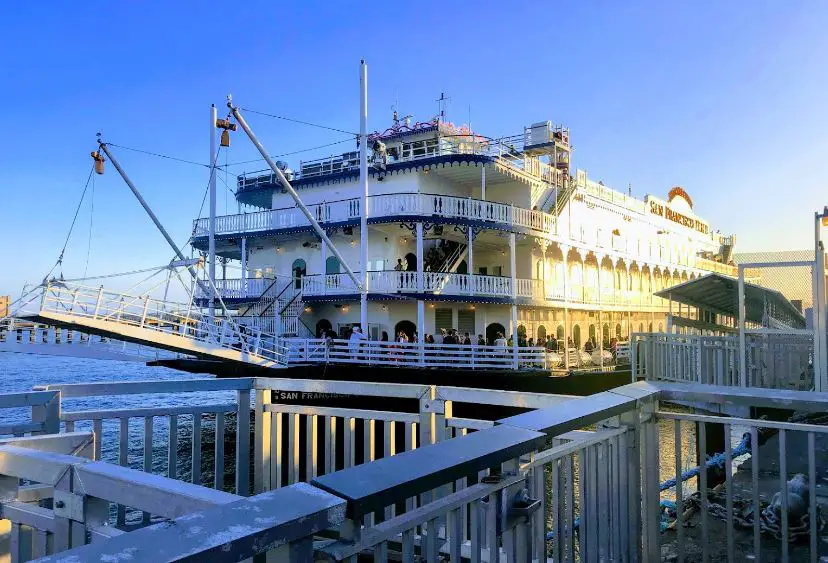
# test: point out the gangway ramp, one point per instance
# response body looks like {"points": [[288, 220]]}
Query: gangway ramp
{"points": [[170, 326]]}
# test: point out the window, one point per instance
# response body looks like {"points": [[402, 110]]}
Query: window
{"points": [[465, 322], [332, 265], [442, 319], [419, 149]]}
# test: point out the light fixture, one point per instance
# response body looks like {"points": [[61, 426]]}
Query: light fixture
{"points": [[384, 307], [503, 253], [353, 242], [346, 308], [308, 309], [279, 249], [471, 307]]}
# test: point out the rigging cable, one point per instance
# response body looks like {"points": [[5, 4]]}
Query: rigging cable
{"points": [[185, 161], [298, 121], [292, 152], [91, 216], [59, 261]]}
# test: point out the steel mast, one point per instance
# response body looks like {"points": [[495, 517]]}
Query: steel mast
{"points": [[211, 241], [363, 180]]}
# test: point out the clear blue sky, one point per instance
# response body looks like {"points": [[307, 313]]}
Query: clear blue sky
{"points": [[725, 99]]}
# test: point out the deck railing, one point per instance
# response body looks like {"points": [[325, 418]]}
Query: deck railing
{"points": [[383, 206], [774, 361], [181, 323], [570, 479], [417, 354], [22, 336]]}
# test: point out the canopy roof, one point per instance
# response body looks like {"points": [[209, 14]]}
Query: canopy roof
{"points": [[720, 294]]}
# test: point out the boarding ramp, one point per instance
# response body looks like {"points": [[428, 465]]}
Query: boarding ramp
{"points": [[176, 327]]}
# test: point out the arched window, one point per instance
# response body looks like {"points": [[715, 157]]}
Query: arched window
{"points": [[640, 327], [660, 327], [605, 336], [651, 327], [576, 335], [560, 332], [299, 269], [618, 331], [591, 332], [332, 265], [492, 332], [541, 333]]}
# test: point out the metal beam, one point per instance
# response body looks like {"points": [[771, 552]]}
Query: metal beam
{"points": [[155, 219], [292, 192]]}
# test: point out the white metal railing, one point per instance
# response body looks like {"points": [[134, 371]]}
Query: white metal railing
{"points": [[285, 218], [382, 206], [774, 361], [417, 354], [718, 267], [572, 480], [180, 324], [447, 283], [242, 288], [41, 339]]}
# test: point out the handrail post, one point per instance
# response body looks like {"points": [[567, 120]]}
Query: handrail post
{"points": [[243, 443], [144, 313], [261, 446], [98, 303]]}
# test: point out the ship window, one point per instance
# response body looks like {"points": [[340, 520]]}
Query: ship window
{"points": [[576, 335], [332, 265], [605, 336], [560, 332], [419, 149], [442, 319], [618, 331], [465, 322], [541, 332]]}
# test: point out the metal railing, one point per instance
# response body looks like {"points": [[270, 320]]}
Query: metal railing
{"points": [[570, 479], [24, 337], [416, 354], [774, 361], [382, 206], [166, 324]]}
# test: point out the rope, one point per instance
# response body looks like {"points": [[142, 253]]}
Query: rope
{"points": [[291, 153], [716, 460], [159, 155], [91, 216], [59, 261]]}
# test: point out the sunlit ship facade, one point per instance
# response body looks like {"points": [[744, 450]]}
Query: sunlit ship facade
{"points": [[465, 232]]}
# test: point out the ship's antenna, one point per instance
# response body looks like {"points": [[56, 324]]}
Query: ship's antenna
{"points": [[441, 106]]}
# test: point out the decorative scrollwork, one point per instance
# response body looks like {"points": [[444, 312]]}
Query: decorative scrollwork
{"points": [[410, 226]]}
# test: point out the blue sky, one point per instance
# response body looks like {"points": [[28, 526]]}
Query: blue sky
{"points": [[725, 99]]}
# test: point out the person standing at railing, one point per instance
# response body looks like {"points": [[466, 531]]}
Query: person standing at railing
{"points": [[355, 342]]}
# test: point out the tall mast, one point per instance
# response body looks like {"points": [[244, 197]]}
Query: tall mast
{"points": [[211, 244], [363, 180]]}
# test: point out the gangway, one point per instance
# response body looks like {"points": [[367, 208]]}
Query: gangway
{"points": [[177, 327]]}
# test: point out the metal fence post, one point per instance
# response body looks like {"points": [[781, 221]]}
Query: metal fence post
{"points": [[243, 443], [48, 414], [742, 344], [649, 467], [261, 445]]}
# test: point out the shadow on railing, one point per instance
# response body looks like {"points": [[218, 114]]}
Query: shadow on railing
{"points": [[564, 478]]}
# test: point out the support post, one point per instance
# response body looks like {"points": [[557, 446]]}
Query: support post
{"points": [[469, 252], [820, 344], [483, 182], [363, 180], [742, 342], [564, 253], [420, 303], [244, 266], [513, 273], [211, 240]]}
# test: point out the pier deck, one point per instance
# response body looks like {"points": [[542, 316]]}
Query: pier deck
{"points": [[560, 477]]}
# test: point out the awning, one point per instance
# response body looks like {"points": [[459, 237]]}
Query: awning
{"points": [[720, 294]]}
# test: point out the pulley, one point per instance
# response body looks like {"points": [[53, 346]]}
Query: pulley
{"points": [[99, 162], [226, 127]]}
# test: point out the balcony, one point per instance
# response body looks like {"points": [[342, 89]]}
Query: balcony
{"points": [[402, 206], [435, 283], [241, 289], [717, 267]]}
